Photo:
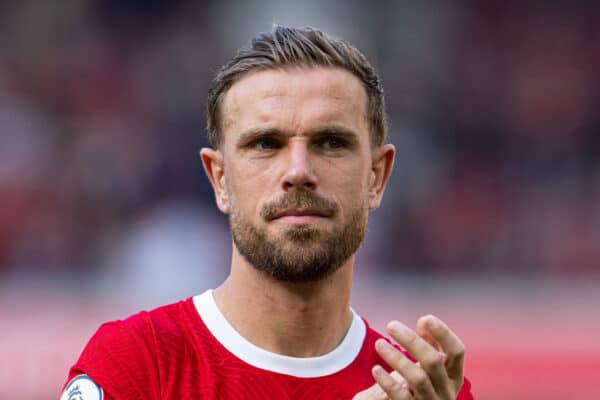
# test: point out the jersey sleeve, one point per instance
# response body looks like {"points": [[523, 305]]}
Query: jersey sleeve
{"points": [[465, 391], [119, 359]]}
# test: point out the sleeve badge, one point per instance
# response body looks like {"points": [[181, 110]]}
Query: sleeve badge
{"points": [[82, 387]]}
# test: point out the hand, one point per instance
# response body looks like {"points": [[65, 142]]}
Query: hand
{"points": [[438, 372]]}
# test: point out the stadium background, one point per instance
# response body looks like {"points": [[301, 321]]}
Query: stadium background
{"points": [[491, 221]]}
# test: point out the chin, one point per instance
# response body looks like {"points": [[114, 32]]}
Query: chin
{"points": [[302, 235]]}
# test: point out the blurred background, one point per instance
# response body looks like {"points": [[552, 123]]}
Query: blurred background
{"points": [[491, 219]]}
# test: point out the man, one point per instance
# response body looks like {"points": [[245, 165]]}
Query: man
{"points": [[296, 122]]}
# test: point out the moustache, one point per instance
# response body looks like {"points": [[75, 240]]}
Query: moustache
{"points": [[300, 200]]}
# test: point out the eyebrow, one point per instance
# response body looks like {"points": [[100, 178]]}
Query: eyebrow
{"points": [[337, 130], [255, 133]]}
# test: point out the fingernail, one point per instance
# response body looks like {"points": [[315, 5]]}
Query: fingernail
{"points": [[397, 327], [378, 370], [383, 345]]}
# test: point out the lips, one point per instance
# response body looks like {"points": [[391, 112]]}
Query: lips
{"points": [[301, 212], [299, 217]]}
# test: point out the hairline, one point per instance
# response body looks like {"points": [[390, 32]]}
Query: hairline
{"points": [[304, 47]]}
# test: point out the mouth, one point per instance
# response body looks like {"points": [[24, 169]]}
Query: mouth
{"points": [[300, 216]]}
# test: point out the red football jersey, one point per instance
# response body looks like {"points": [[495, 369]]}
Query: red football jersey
{"points": [[188, 350]]}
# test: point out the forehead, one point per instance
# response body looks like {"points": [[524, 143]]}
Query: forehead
{"points": [[301, 96]]}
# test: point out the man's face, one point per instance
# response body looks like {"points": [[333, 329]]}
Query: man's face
{"points": [[298, 170]]}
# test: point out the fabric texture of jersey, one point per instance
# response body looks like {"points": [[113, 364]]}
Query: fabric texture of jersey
{"points": [[188, 350]]}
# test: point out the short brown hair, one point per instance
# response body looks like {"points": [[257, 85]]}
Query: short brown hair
{"points": [[305, 47]]}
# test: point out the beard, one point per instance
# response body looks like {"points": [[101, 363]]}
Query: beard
{"points": [[301, 253]]}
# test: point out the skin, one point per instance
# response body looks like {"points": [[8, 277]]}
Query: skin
{"points": [[307, 128]]}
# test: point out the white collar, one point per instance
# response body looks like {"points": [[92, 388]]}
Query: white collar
{"points": [[304, 367]]}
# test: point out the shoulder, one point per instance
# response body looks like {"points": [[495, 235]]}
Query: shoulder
{"points": [[123, 356], [138, 330]]}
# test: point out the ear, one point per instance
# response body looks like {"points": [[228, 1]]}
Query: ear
{"points": [[213, 163], [381, 169]]}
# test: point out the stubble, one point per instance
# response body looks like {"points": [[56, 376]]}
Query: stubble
{"points": [[299, 253]]}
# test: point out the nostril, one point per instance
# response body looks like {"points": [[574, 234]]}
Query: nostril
{"points": [[309, 185]]}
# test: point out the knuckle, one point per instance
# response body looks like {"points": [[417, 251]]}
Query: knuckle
{"points": [[460, 350], [395, 388], [433, 361], [410, 337], [420, 380], [396, 358]]}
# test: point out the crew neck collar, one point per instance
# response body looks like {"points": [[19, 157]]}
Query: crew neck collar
{"points": [[304, 367]]}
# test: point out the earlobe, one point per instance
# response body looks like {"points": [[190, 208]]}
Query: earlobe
{"points": [[213, 163], [383, 162]]}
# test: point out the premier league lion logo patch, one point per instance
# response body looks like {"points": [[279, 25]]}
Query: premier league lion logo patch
{"points": [[82, 387]]}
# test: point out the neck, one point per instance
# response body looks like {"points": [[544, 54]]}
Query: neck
{"points": [[292, 319]]}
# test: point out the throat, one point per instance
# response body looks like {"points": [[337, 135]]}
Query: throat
{"points": [[296, 320]]}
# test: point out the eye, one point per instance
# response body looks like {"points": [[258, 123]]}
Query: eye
{"points": [[265, 143], [333, 142]]}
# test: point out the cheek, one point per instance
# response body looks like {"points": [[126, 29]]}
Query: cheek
{"points": [[350, 187], [247, 186], [354, 174]]}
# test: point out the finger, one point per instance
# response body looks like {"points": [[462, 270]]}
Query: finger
{"points": [[392, 387], [416, 377], [376, 392], [449, 342], [373, 392], [429, 358], [423, 332]]}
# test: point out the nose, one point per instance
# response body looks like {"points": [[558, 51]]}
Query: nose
{"points": [[299, 173]]}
